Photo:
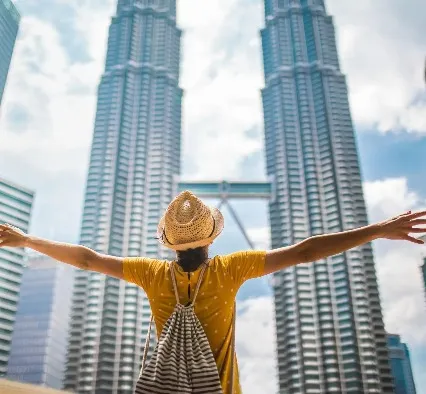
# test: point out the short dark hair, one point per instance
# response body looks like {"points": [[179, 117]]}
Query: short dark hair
{"points": [[191, 259]]}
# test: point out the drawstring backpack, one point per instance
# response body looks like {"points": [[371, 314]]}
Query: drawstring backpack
{"points": [[182, 361]]}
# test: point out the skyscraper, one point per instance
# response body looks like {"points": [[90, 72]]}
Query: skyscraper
{"points": [[401, 365], [9, 24], [330, 332], [15, 209], [39, 340], [135, 156]]}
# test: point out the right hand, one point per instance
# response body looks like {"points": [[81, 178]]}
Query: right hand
{"points": [[400, 227], [12, 236]]}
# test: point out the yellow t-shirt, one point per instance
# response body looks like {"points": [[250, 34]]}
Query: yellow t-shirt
{"points": [[215, 301]]}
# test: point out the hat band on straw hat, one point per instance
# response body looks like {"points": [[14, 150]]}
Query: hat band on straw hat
{"points": [[163, 235]]}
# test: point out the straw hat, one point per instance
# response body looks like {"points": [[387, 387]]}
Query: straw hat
{"points": [[188, 223]]}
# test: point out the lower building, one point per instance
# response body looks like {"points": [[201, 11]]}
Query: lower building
{"points": [[15, 209], [401, 365], [39, 341]]}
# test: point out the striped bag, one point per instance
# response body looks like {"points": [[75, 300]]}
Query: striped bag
{"points": [[182, 361]]}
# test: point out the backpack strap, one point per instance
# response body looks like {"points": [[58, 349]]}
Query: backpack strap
{"points": [[145, 350], [197, 287], [172, 274]]}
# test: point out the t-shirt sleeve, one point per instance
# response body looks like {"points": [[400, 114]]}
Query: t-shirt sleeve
{"points": [[245, 265], [140, 271]]}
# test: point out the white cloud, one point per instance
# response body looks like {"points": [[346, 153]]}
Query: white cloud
{"points": [[398, 262], [57, 93], [47, 122], [222, 83], [260, 236], [389, 197], [255, 340], [92, 18], [398, 270], [383, 57]]}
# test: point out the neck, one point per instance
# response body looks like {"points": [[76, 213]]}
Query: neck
{"points": [[191, 268], [191, 259]]}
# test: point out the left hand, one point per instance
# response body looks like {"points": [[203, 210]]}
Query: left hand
{"points": [[401, 226], [12, 236]]}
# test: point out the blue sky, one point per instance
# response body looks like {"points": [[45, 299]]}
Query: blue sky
{"points": [[46, 125], [392, 155]]}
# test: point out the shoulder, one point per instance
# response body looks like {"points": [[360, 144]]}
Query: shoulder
{"points": [[145, 261], [245, 264], [143, 271], [235, 259], [241, 256], [144, 265]]}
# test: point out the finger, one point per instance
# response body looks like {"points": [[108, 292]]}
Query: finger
{"points": [[416, 222], [417, 215], [405, 214], [6, 227], [412, 239], [402, 216], [417, 230]]}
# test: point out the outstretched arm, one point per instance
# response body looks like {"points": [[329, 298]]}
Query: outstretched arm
{"points": [[322, 246], [76, 255]]}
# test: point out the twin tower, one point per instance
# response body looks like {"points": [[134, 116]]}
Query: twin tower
{"points": [[329, 325]]}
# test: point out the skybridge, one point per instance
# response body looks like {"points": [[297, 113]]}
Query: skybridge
{"points": [[224, 190]]}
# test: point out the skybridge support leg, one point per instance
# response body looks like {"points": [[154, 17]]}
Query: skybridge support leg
{"points": [[225, 201]]}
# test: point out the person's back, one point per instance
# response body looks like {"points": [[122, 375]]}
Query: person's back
{"points": [[214, 305]]}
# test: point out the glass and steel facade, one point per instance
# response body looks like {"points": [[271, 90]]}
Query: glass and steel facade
{"points": [[15, 209], [39, 340], [9, 25], [330, 331], [401, 365], [135, 157]]}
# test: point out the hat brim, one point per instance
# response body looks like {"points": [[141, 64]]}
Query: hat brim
{"points": [[219, 225]]}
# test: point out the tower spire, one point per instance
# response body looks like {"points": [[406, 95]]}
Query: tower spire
{"points": [[274, 7], [158, 5]]}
